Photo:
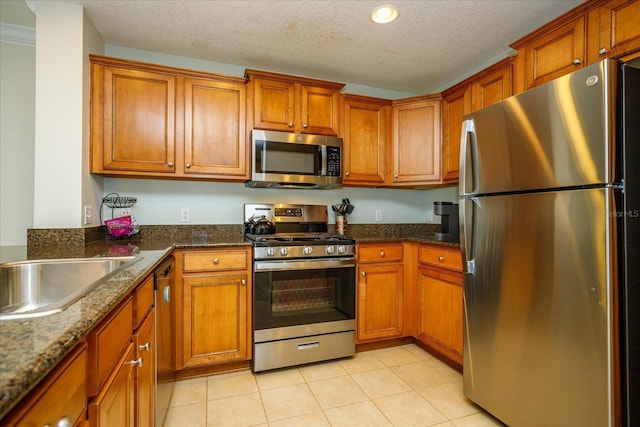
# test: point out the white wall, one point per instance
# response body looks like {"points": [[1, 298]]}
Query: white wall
{"points": [[17, 117], [160, 201]]}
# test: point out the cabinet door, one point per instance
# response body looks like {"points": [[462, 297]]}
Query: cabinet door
{"points": [[61, 397], [214, 129], [145, 350], [416, 142], [619, 28], [274, 105], [133, 120], [380, 302], [215, 319], [455, 106], [114, 405], [365, 136], [491, 88], [559, 52], [319, 110], [441, 312]]}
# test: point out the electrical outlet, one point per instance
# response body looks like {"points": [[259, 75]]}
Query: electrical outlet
{"points": [[378, 215], [429, 216], [185, 213], [125, 212], [88, 215]]}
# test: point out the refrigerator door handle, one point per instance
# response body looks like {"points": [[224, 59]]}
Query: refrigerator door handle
{"points": [[467, 213], [466, 180]]}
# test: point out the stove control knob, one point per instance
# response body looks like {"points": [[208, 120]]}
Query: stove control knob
{"points": [[308, 250], [330, 250], [271, 251], [342, 249], [284, 251]]}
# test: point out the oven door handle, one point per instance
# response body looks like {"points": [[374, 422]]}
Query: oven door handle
{"points": [[307, 264]]}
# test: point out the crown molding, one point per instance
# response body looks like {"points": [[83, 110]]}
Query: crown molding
{"points": [[17, 34]]}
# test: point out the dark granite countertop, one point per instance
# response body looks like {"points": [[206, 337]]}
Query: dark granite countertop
{"points": [[32, 347]]}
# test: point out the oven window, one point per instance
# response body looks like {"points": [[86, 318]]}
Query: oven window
{"points": [[280, 157], [298, 297]]}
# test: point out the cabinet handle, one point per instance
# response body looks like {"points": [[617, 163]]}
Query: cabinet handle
{"points": [[62, 422], [144, 346], [167, 297], [170, 164], [136, 362], [602, 50], [188, 165], [364, 274], [243, 282], [577, 61], [290, 125], [382, 254], [441, 258], [216, 261]]}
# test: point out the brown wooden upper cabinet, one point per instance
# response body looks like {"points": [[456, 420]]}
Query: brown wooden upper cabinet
{"points": [[154, 121], [367, 136], [594, 30], [485, 88], [415, 154], [617, 30], [293, 104]]}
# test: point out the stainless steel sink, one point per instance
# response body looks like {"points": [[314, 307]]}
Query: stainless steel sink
{"points": [[43, 287]]}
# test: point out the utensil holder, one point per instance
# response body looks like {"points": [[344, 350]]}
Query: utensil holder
{"points": [[341, 224]]}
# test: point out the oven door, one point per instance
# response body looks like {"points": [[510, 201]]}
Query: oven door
{"points": [[290, 295]]}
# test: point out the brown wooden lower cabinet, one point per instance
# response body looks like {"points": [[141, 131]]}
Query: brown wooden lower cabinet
{"points": [[380, 292], [61, 396], [214, 312], [439, 297], [115, 404]]}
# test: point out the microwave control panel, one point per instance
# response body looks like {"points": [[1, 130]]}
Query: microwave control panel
{"points": [[333, 161]]}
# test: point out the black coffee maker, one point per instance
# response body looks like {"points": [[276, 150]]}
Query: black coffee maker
{"points": [[449, 228]]}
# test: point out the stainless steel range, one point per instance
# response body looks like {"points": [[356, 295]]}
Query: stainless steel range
{"points": [[304, 294]]}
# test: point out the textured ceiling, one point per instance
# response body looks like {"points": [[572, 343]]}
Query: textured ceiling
{"points": [[432, 45]]}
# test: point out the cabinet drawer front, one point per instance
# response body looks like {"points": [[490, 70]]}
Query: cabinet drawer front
{"points": [[380, 253], [215, 260], [106, 344], [142, 301], [451, 259], [62, 394]]}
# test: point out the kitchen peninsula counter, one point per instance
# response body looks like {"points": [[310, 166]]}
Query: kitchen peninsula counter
{"points": [[32, 347]]}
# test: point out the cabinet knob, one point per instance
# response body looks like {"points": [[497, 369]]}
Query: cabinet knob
{"points": [[395, 175], [364, 274], [144, 346], [305, 125], [170, 164], [137, 362], [188, 165], [216, 261], [243, 282], [577, 61], [347, 173], [62, 422], [441, 258], [602, 50], [290, 124], [382, 254]]}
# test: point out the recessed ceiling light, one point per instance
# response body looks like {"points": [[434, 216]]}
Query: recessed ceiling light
{"points": [[383, 14]]}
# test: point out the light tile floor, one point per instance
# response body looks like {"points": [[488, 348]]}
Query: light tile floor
{"points": [[398, 386]]}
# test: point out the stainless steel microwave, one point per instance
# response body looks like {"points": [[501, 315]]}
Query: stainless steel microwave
{"points": [[291, 160]]}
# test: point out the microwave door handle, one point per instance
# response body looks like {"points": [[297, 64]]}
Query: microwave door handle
{"points": [[323, 160]]}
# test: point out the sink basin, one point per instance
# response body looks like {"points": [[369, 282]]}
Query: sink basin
{"points": [[43, 287]]}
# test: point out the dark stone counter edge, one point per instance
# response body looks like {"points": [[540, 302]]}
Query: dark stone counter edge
{"points": [[28, 375]]}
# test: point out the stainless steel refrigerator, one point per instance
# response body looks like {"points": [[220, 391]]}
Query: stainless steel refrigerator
{"points": [[550, 231]]}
